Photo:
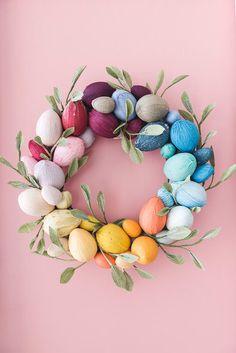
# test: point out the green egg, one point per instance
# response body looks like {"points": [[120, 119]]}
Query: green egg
{"points": [[168, 150]]}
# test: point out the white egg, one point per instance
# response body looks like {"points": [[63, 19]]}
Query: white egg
{"points": [[49, 127], [29, 163], [179, 216], [32, 203], [51, 195], [88, 137], [49, 173]]}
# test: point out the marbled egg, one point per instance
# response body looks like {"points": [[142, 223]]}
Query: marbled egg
{"points": [[49, 173], [49, 127], [168, 150], [203, 155], [191, 194], [32, 203], [120, 97], [88, 137], [51, 195], [184, 135], [166, 197], [139, 91], [181, 165], [151, 108], [202, 173], [103, 124], [95, 90], [73, 148], [103, 104], [152, 142], [172, 117], [179, 216], [29, 163]]}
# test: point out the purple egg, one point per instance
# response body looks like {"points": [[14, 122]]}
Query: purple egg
{"points": [[103, 124], [134, 126], [95, 90], [139, 91]]}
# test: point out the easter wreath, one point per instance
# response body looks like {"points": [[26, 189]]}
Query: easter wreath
{"points": [[141, 119]]}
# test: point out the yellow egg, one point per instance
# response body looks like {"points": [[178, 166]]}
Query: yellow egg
{"points": [[61, 221], [66, 200], [113, 239], [88, 225], [82, 245]]}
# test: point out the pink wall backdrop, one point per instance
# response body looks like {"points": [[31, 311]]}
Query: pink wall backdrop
{"points": [[183, 310]]}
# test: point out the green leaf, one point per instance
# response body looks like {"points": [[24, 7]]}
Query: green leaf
{"points": [[179, 233], [22, 169], [118, 277], [82, 161], [119, 221], [160, 79], [18, 184], [143, 274], [87, 195], [196, 209], [164, 211], [33, 181], [54, 237], [73, 168], [79, 214], [135, 154], [153, 130], [207, 111], [119, 127], [129, 108], [6, 163], [76, 96], [192, 234], [149, 87], [211, 234], [186, 115], [77, 74], [28, 227], [228, 173], [196, 261], [38, 140], [67, 274], [32, 242], [127, 78], [174, 81], [210, 135], [19, 143], [168, 187], [51, 100], [96, 227], [68, 132], [177, 259], [62, 142], [128, 257], [212, 159], [101, 201], [41, 246], [186, 102], [125, 144], [129, 282], [44, 156], [57, 95], [114, 72], [114, 85]]}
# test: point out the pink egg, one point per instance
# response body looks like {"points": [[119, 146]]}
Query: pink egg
{"points": [[73, 148], [29, 163]]}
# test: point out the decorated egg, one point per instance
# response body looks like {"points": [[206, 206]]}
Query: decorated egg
{"points": [[49, 173], [181, 165], [103, 124], [134, 126], [66, 200], [112, 239], [62, 221], [203, 155], [172, 117], [104, 105], [95, 90], [120, 97], [75, 115], [184, 135], [37, 150], [82, 245], [73, 147], [191, 194], [151, 108], [32, 203], [168, 150], [139, 91], [51, 195], [179, 216], [49, 127], [202, 173], [149, 220], [29, 163], [166, 197], [88, 137], [147, 142]]}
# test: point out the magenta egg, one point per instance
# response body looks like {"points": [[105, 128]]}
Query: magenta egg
{"points": [[103, 124], [37, 150], [95, 90], [75, 115], [134, 126], [139, 91], [73, 148]]}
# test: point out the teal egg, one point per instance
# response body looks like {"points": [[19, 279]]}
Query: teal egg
{"points": [[181, 165], [168, 150], [120, 96], [184, 135], [202, 173], [191, 195]]}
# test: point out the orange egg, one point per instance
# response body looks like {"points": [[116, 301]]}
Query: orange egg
{"points": [[102, 262], [131, 227], [148, 216], [145, 248]]}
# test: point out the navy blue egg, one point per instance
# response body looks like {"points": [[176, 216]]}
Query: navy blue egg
{"points": [[172, 117], [203, 155], [150, 142], [202, 173], [184, 135], [120, 97]]}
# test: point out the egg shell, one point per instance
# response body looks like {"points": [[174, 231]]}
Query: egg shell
{"points": [[95, 90], [103, 124], [82, 245], [168, 150], [120, 97], [172, 117], [88, 137], [32, 203], [149, 220], [103, 104], [139, 91], [202, 173], [62, 221], [184, 135], [75, 115], [203, 155], [66, 200], [51, 195], [49, 127], [150, 142], [178, 167], [29, 163], [151, 108], [179, 216], [166, 197], [191, 194], [49, 173], [74, 148], [134, 126], [37, 150]]}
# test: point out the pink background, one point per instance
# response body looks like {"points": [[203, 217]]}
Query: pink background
{"points": [[183, 309]]}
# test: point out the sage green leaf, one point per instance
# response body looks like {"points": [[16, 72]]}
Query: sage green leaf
{"points": [[228, 173], [51, 100], [6, 163], [33, 181], [22, 169], [114, 85], [62, 142], [164, 211], [119, 221], [19, 143], [153, 130], [196, 261], [212, 159], [68, 132], [118, 277], [210, 135], [186, 102], [129, 108], [168, 187], [125, 144], [96, 227], [44, 156], [207, 111], [82, 161], [32, 242], [57, 95], [41, 246], [27, 227], [149, 87], [73, 168], [135, 154], [114, 72], [196, 209], [77, 74], [173, 82], [143, 274], [127, 78], [186, 115], [38, 140], [128, 257], [79, 214], [193, 233], [54, 237], [179, 233], [18, 184], [76, 96], [67, 275], [87, 195], [129, 282], [101, 201], [177, 259], [211, 234], [119, 127], [160, 79]]}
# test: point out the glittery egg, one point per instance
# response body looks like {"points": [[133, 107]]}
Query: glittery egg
{"points": [[202, 173], [152, 142], [88, 137], [203, 155], [73, 147], [103, 124], [139, 91], [168, 150], [151, 108], [184, 135], [172, 117], [191, 194], [104, 105], [120, 97], [181, 165], [179, 216], [166, 197], [49, 173], [95, 90]]}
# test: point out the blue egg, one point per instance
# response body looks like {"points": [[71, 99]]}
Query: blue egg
{"points": [[203, 155], [152, 142], [120, 96], [184, 135], [191, 195], [180, 166], [202, 173], [168, 150], [172, 117], [166, 197]]}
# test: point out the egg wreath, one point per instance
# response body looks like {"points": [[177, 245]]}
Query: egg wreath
{"points": [[141, 119]]}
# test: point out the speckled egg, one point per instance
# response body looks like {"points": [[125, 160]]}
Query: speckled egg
{"points": [[168, 150], [172, 117], [88, 137], [181, 165], [179, 216], [151, 108], [51, 195], [166, 197], [73, 148], [32, 203], [184, 135], [104, 105], [152, 142], [29, 163], [103, 124], [95, 90], [49, 127], [139, 91], [120, 96], [203, 155], [49, 173], [202, 173], [191, 194]]}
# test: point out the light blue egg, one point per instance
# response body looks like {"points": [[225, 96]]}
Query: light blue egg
{"points": [[175, 185], [203, 155], [184, 135], [166, 197], [120, 96], [191, 194], [181, 165], [202, 173], [172, 117], [168, 150], [152, 142]]}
